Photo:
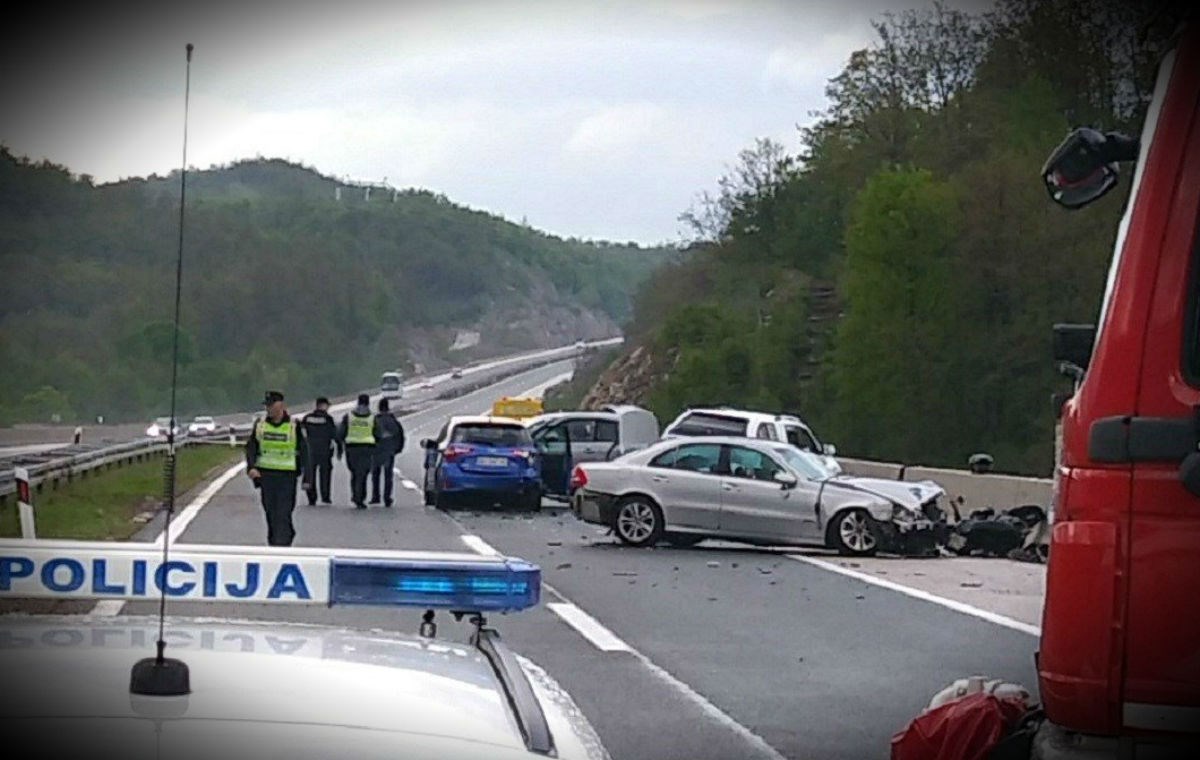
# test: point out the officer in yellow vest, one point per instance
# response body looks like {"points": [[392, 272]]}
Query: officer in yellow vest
{"points": [[276, 454], [359, 430]]}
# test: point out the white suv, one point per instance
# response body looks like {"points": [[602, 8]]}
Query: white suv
{"points": [[726, 420]]}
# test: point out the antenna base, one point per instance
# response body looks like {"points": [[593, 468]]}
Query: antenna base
{"points": [[160, 677]]}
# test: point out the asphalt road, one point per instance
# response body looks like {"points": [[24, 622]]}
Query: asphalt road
{"points": [[714, 652]]}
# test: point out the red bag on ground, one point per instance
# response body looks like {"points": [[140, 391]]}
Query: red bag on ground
{"points": [[965, 729]]}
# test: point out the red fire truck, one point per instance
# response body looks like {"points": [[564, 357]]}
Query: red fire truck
{"points": [[1119, 657]]}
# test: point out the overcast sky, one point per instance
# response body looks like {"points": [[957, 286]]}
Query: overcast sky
{"points": [[590, 119]]}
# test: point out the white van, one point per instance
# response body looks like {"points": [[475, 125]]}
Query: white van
{"points": [[565, 439]]}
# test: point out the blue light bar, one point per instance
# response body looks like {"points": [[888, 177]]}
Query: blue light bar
{"points": [[52, 569], [505, 585]]}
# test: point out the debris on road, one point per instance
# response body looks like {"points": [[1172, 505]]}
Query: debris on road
{"points": [[624, 574], [554, 543], [1015, 533], [711, 563], [859, 596], [971, 584], [562, 566]]}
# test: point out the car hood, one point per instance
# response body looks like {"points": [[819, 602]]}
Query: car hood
{"points": [[910, 495], [321, 692]]}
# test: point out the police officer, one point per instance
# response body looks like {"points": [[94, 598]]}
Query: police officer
{"points": [[275, 454], [389, 441], [321, 434], [357, 431]]}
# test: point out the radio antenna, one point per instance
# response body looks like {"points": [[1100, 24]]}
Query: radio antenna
{"points": [[159, 675]]}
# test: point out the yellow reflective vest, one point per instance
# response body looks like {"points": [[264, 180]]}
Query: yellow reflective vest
{"points": [[277, 445], [360, 430]]}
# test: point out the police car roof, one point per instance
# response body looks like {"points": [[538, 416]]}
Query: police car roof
{"points": [[302, 691]]}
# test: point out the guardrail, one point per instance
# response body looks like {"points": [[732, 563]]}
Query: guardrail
{"points": [[52, 470]]}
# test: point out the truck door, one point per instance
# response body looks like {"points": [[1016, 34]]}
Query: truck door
{"points": [[1162, 666]]}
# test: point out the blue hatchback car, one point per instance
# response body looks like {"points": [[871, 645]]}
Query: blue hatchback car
{"points": [[491, 457]]}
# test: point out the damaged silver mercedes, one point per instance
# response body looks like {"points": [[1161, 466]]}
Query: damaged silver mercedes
{"points": [[683, 491]]}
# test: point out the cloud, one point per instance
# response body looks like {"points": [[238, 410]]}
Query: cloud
{"points": [[619, 129]]}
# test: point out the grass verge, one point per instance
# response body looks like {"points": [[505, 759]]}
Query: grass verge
{"points": [[102, 505]]}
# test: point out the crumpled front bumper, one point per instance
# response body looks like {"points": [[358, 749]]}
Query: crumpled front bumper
{"points": [[919, 538]]}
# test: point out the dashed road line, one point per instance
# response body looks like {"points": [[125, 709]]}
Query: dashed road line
{"points": [[588, 627], [574, 614]]}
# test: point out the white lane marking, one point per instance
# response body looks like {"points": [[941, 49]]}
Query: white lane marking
{"points": [[181, 522], [409, 484], [37, 448], [720, 716], [588, 627], [112, 607], [966, 609], [479, 546]]}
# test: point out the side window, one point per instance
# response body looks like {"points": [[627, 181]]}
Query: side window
{"points": [[800, 438], [606, 431], [748, 463], [767, 431], [551, 439], [699, 423], [697, 457], [441, 436], [581, 430]]}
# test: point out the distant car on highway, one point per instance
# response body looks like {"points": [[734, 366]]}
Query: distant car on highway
{"points": [[427, 385], [725, 420], [758, 491], [202, 424], [160, 427], [482, 456], [565, 439], [390, 385], [456, 373]]}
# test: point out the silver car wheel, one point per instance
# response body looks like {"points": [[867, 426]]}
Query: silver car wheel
{"points": [[636, 522], [856, 533]]}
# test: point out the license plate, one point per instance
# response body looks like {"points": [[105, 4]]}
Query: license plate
{"points": [[491, 461]]}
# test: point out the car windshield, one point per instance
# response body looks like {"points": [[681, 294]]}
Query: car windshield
{"points": [[162, 421], [203, 420], [808, 465], [485, 434]]}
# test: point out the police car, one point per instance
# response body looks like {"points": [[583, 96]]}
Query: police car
{"points": [[89, 686]]}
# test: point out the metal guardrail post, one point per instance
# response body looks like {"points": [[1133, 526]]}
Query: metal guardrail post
{"points": [[25, 503]]}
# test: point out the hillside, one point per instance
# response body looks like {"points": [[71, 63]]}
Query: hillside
{"points": [[285, 284], [896, 280]]}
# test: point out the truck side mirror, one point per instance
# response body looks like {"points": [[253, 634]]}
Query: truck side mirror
{"points": [[428, 443], [1073, 344], [1084, 166], [1189, 473]]}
